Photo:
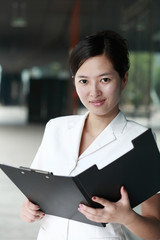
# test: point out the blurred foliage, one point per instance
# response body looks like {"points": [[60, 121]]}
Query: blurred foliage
{"points": [[144, 74], [156, 74]]}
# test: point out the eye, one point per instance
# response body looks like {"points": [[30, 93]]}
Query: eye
{"points": [[105, 80], [83, 81]]}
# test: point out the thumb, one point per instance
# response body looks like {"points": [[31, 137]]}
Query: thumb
{"points": [[124, 194]]}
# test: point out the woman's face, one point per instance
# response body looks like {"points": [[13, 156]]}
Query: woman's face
{"points": [[99, 86]]}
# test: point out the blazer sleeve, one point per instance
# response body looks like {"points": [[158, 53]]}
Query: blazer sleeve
{"points": [[40, 155]]}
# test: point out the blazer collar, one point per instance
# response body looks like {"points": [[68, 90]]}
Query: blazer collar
{"points": [[108, 135]]}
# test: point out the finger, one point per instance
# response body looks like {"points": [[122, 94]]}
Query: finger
{"points": [[102, 201], [32, 206], [85, 209], [92, 214], [35, 213], [30, 212], [32, 216]]}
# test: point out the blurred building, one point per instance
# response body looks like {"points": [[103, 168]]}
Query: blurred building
{"points": [[35, 40]]}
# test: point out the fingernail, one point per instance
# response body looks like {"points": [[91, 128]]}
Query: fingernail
{"points": [[93, 198], [79, 209], [80, 205]]}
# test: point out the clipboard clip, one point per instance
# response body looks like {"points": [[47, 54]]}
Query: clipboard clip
{"points": [[25, 168], [35, 170]]}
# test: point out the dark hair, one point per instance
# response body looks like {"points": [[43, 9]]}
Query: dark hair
{"points": [[108, 43]]}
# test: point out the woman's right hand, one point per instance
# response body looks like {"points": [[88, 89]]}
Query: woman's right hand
{"points": [[31, 212]]}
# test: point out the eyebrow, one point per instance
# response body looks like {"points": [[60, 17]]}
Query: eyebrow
{"points": [[101, 75], [105, 74]]}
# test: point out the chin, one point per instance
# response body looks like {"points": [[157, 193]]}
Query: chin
{"points": [[109, 113]]}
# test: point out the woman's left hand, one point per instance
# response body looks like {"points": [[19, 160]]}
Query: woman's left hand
{"points": [[115, 212]]}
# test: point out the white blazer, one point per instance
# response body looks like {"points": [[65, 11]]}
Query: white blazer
{"points": [[58, 153]]}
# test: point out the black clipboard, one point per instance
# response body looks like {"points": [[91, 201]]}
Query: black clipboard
{"points": [[137, 170]]}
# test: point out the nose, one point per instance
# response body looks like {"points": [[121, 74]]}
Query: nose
{"points": [[95, 91]]}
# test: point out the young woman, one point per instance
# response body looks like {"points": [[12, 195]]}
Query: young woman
{"points": [[71, 144]]}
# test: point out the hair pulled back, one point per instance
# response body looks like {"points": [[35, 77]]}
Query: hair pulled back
{"points": [[109, 43]]}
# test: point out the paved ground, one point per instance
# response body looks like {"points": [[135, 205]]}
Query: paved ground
{"points": [[18, 145]]}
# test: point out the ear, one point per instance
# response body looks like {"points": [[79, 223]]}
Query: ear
{"points": [[124, 81]]}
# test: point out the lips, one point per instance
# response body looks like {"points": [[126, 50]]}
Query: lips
{"points": [[97, 103]]}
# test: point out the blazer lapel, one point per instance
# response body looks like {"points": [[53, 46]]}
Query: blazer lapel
{"points": [[108, 135], [74, 134]]}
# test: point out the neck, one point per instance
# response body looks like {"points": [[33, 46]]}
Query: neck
{"points": [[95, 124]]}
